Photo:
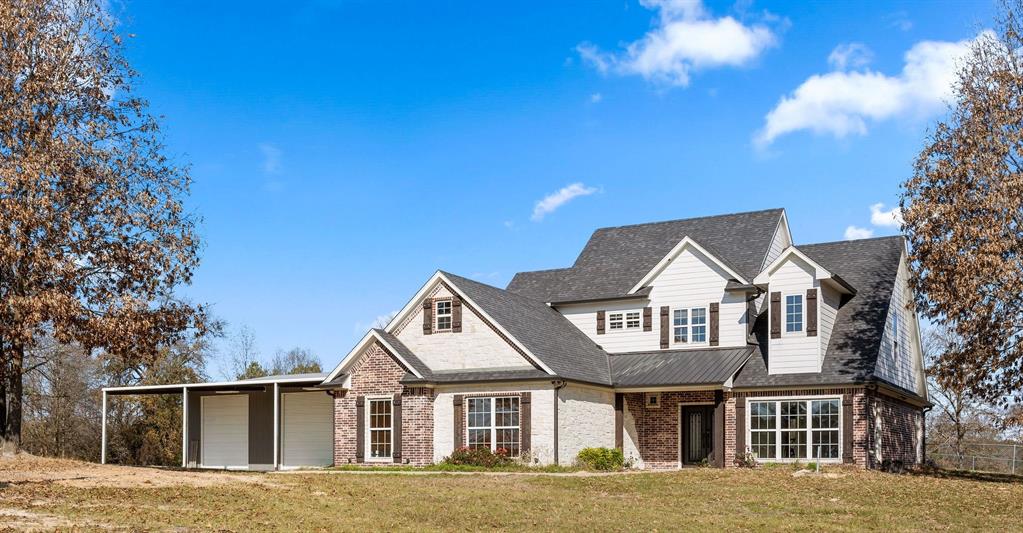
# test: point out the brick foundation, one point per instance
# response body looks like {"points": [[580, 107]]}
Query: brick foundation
{"points": [[377, 373], [897, 432]]}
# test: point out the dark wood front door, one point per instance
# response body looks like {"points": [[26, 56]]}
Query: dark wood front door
{"points": [[697, 434]]}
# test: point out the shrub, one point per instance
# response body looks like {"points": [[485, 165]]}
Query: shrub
{"points": [[478, 457], [605, 459], [746, 460]]}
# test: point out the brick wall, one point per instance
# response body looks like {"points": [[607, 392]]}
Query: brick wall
{"points": [[657, 429], [377, 373], [896, 433], [861, 434]]}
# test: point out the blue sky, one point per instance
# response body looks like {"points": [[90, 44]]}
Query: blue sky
{"points": [[343, 151]]}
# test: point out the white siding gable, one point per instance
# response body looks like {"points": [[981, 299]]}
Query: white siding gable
{"points": [[828, 301], [690, 280], [901, 359], [794, 353], [476, 346]]}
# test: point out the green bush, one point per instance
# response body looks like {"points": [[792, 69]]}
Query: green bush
{"points": [[605, 459], [478, 457]]}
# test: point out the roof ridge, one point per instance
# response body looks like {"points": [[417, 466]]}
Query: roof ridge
{"points": [[705, 217], [850, 241]]}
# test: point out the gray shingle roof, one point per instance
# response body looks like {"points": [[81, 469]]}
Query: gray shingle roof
{"points": [[404, 352], [615, 259], [869, 265], [712, 366], [542, 330]]}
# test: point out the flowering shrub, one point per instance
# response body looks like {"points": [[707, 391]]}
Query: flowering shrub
{"points": [[478, 457]]}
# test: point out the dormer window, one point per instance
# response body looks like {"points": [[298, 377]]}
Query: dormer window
{"points": [[793, 313], [442, 312]]}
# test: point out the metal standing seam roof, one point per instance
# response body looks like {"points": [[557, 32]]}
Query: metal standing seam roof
{"points": [[711, 366], [615, 259]]}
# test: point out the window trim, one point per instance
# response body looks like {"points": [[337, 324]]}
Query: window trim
{"points": [[493, 427], [369, 429], [809, 428], [437, 315], [623, 320], [689, 325], [801, 332]]}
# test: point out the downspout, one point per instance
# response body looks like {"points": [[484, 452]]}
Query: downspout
{"points": [[558, 385], [923, 425]]}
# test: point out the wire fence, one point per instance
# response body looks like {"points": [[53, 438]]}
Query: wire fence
{"points": [[1001, 458]]}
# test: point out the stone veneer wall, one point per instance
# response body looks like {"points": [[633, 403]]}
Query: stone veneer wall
{"points": [[378, 374]]}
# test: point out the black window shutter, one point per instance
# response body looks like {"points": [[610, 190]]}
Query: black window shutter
{"points": [[665, 327], [811, 312], [458, 422], [456, 314], [525, 423], [714, 323], [396, 427], [360, 428], [775, 315], [427, 316]]}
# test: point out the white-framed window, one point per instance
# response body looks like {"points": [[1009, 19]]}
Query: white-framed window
{"points": [[623, 320], [793, 313], [653, 400], [494, 423], [442, 315], [795, 429], [690, 325], [379, 434]]}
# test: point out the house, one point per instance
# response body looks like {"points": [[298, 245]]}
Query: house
{"points": [[684, 342]]}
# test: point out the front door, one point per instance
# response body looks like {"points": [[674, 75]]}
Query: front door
{"points": [[697, 434]]}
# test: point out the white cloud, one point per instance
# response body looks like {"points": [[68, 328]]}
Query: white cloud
{"points": [[891, 218], [854, 55], [271, 158], [379, 322], [852, 233], [595, 98], [553, 201], [685, 39], [841, 103]]}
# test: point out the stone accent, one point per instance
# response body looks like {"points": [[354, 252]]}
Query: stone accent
{"points": [[657, 429], [378, 374]]}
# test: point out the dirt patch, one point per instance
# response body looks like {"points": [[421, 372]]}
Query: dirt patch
{"points": [[24, 468], [20, 520]]}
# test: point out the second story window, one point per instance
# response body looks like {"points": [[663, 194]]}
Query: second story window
{"points": [[690, 325], [616, 320], [793, 313], [632, 320], [623, 320], [442, 311]]}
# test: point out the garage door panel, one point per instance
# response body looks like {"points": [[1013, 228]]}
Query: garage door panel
{"points": [[307, 429], [225, 431]]}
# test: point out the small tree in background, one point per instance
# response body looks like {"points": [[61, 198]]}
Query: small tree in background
{"points": [[963, 211], [295, 361]]}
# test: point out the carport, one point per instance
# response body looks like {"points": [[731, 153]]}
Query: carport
{"points": [[268, 423]]}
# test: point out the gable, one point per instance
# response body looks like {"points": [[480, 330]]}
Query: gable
{"points": [[478, 345]]}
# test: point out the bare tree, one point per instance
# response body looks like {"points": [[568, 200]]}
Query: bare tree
{"points": [[295, 361], [94, 237], [243, 360], [963, 211]]}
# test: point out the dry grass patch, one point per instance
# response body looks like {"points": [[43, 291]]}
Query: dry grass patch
{"points": [[691, 499]]}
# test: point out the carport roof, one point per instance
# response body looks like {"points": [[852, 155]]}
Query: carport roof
{"points": [[240, 384]]}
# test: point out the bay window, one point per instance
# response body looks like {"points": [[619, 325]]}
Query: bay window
{"points": [[790, 430]]}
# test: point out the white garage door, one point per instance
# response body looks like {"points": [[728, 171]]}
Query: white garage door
{"points": [[225, 431], [308, 426]]}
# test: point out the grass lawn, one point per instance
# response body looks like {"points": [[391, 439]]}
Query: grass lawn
{"points": [[696, 498]]}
